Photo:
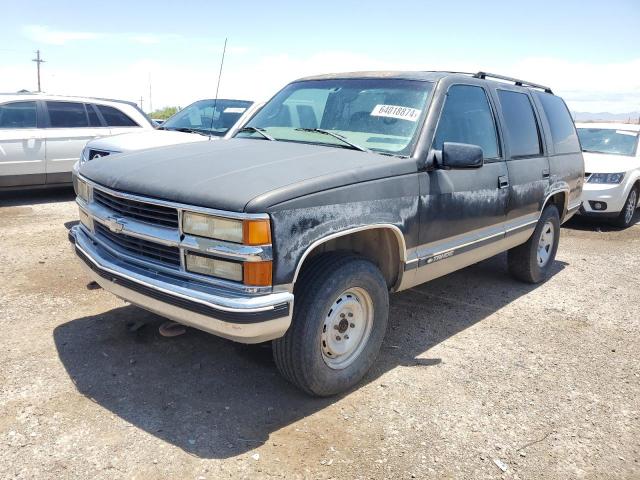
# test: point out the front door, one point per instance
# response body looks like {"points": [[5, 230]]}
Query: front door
{"points": [[462, 212]]}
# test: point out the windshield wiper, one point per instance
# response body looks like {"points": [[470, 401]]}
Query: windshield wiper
{"points": [[259, 130], [185, 130], [343, 139]]}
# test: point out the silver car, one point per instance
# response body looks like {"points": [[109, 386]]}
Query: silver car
{"points": [[42, 136]]}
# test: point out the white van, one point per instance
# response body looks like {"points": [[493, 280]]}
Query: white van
{"points": [[42, 136]]}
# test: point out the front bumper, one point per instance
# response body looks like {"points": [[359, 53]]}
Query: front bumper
{"points": [[242, 318], [613, 195]]}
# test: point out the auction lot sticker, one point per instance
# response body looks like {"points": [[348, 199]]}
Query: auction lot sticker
{"points": [[396, 111]]}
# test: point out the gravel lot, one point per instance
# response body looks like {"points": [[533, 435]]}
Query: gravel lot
{"points": [[477, 370]]}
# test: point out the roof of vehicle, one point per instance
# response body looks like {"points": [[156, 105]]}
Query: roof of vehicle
{"points": [[48, 96], [634, 127], [425, 76]]}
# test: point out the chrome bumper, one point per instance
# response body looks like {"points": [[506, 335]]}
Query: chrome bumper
{"points": [[242, 318]]}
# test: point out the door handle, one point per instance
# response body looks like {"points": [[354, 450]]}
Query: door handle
{"points": [[546, 173], [503, 182]]}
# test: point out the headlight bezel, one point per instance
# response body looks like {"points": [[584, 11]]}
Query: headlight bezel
{"points": [[606, 178]]}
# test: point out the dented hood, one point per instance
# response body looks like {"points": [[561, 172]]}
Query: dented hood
{"points": [[240, 174]]}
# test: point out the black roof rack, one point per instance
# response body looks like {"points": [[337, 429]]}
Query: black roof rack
{"points": [[518, 82]]}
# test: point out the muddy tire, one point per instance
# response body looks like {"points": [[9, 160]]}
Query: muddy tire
{"points": [[339, 322], [532, 261]]}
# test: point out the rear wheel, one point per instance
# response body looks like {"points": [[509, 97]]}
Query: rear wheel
{"points": [[531, 262], [339, 322], [625, 219]]}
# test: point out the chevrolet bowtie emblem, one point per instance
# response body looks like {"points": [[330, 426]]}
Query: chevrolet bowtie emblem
{"points": [[114, 224]]}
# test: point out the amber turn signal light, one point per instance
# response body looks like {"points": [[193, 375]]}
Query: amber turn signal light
{"points": [[257, 274], [256, 232]]}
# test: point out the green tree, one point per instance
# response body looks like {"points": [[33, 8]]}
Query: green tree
{"points": [[164, 113]]}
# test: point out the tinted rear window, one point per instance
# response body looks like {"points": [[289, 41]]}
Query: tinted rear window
{"points": [[115, 118], [521, 125], [67, 115], [18, 115], [563, 132]]}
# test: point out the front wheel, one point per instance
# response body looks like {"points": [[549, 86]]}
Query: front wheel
{"points": [[625, 219], [531, 262], [339, 323]]}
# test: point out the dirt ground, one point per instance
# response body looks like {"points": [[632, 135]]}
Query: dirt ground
{"points": [[477, 372]]}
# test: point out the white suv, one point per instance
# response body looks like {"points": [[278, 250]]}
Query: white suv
{"points": [[612, 166], [42, 136]]}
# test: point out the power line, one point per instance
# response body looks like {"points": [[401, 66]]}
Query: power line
{"points": [[38, 61]]}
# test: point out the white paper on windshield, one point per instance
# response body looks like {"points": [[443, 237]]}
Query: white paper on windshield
{"points": [[396, 111], [234, 109], [627, 132]]}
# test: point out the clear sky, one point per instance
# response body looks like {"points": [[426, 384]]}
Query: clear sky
{"points": [[587, 51]]}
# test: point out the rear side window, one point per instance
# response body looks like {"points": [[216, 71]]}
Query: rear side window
{"points": [[67, 115], [467, 118], [115, 118], [563, 132], [520, 122], [18, 115]]}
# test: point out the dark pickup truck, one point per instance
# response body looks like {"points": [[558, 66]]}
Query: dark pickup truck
{"points": [[341, 189]]}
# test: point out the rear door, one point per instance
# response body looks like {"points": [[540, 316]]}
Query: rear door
{"points": [[22, 148], [527, 159], [462, 212], [70, 126]]}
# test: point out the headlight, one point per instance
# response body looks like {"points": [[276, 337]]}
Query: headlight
{"points": [[85, 155], [212, 227], [249, 232], [606, 177], [83, 190], [213, 267]]}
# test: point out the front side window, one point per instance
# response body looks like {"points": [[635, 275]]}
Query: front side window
{"points": [[608, 140], [215, 117], [520, 123], [94, 121], [18, 115], [67, 115], [467, 118], [115, 118], [563, 132], [378, 114]]}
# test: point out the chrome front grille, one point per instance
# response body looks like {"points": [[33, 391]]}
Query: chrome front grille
{"points": [[144, 212], [139, 248]]}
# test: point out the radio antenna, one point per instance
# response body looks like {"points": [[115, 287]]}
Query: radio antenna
{"points": [[215, 101]]}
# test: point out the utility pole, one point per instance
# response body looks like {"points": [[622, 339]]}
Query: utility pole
{"points": [[38, 61], [141, 103], [150, 103]]}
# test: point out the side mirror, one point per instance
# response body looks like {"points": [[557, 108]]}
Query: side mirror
{"points": [[461, 156]]}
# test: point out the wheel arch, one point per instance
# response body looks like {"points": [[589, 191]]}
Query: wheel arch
{"points": [[560, 199], [383, 244]]}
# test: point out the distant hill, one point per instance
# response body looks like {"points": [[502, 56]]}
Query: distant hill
{"points": [[633, 117]]}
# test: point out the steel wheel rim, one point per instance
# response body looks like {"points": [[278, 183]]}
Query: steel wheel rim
{"points": [[631, 207], [347, 328], [545, 244]]}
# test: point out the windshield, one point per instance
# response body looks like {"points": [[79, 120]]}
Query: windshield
{"points": [[202, 117], [608, 140], [382, 115]]}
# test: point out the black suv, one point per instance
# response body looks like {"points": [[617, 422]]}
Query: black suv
{"points": [[341, 189]]}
